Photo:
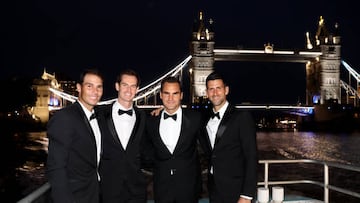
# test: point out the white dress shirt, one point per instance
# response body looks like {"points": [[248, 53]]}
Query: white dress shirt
{"points": [[170, 129], [213, 124], [124, 123]]}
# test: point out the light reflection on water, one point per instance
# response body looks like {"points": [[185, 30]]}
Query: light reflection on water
{"points": [[37, 143], [334, 147], [38, 140], [31, 174]]}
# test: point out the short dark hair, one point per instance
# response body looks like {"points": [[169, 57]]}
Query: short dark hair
{"points": [[128, 72], [170, 79], [215, 76], [92, 71]]}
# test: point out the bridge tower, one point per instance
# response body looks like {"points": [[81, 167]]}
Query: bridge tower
{"points": [[45, 98], [202, 62], [323, 76]]}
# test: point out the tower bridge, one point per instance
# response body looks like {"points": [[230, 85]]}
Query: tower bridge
{"points": [[321, 59], [265, 55]]}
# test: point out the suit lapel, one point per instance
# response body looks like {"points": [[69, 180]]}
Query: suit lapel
{"points": [[86, 122], [204, 130], [223, 123], [135, 129], [185, 124], [112, 129], [156, 129], [111, 126]]}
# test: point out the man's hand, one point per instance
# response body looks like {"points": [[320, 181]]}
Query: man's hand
{"points": [[243, 200], [156, 112]]}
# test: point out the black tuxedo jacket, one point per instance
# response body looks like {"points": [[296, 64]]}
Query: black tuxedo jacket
{"points": [[176, 175], [120, 169], [72, 161], [234, 157]]}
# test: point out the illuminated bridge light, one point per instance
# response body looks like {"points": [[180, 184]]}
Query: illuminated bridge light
{"points": [[300, 109], [283, 52], [311, 53], [238, 51]]}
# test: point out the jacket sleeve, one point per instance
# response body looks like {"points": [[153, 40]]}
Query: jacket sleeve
{"points": [[59, 134], [249, 145]]}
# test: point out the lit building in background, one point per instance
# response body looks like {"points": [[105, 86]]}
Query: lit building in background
{"points": [[47, 101]]}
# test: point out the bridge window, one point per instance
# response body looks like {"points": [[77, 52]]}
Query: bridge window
{"points": [[331, 67], [203, 46], [330, 81], [201, 79], [203, 64], [331, 50]]}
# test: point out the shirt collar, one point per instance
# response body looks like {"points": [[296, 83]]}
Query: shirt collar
{"points": [[117, 106], [222, 109], [178, 112], [86, 111]]}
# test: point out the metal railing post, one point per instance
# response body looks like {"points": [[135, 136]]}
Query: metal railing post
{"points": [[266, 174], [326, 183]]}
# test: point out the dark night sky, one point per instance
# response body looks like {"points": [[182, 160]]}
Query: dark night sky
{"points": [[153, 36]]}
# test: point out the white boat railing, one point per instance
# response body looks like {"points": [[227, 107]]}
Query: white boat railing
{"points": [[37, 195], [325, 184]]}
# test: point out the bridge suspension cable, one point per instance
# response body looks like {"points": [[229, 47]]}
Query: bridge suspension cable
{"points": [[143, 92], [155, 86], [351, 71], [349, 89], [356, 75], [63, 95]]}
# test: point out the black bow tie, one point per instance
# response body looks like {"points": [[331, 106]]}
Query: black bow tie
{"points": [[93, 116], [172, 116], [213, 115], [129, 112]]}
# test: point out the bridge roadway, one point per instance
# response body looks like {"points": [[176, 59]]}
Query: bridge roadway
{"points": [[301, 110], [245, 106], [264, 56]]}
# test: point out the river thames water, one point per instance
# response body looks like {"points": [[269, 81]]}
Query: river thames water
{"points": [[334, 147]]}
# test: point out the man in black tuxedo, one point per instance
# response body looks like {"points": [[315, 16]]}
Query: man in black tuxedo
{"points": [[75, 145], [232, 140], [173, 135], [122, 180]]}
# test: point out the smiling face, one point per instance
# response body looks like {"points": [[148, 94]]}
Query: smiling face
{"points": [[127, 88], [216, 91], [171, 96], [90, 90]]}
